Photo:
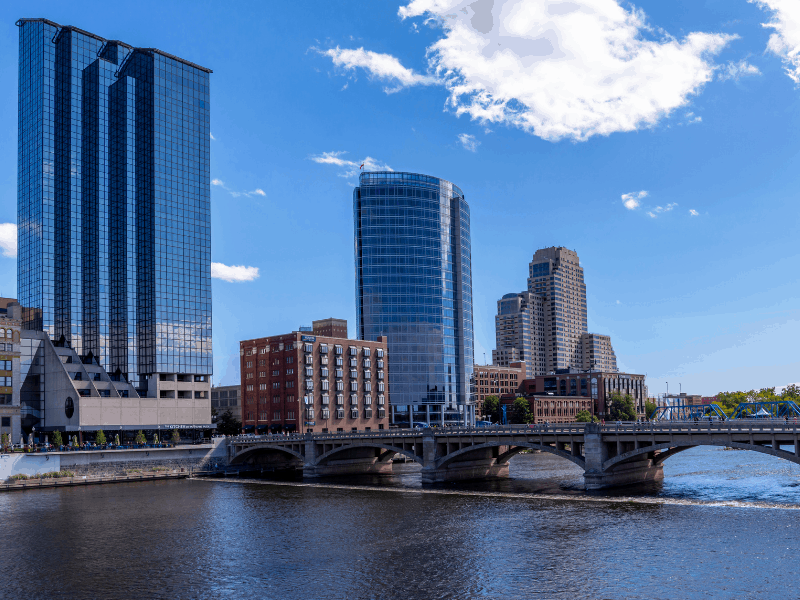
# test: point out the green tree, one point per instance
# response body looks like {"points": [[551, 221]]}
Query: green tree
{"points": [[649, 409], [227, 424], [584, 416], [622, 408], [176, 437], [57, 441], [520, 412], [491, 409], [140, 439], [100, 437], [791, 392], [4, 441]]}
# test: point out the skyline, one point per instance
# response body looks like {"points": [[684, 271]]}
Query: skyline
{"points": [[730, 310]]}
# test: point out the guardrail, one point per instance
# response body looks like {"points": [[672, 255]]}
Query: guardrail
{"points": [[673, 427]]}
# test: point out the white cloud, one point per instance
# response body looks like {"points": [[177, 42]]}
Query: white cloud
{"points": [[233, 273], [618, 302], [633, 200], [785, 41], [563, 69], [691, 118], [234, 193], [469, 142], [693, 212], [382, 66], [737, 70], [351, 168], [8, 239], [212, 135], [661, 209]]}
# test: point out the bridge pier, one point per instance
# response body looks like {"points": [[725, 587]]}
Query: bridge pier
{"points": [[596, 453]]}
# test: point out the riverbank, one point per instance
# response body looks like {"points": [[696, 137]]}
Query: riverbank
{"points": [[53, 482]]}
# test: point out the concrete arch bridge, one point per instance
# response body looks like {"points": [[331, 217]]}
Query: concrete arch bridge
{"points": [[610, 455]]}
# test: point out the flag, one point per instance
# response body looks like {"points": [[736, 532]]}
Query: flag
{"points": [[362, 166]]}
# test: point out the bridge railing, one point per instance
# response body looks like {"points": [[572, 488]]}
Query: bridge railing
{"points": [[728, 426]]}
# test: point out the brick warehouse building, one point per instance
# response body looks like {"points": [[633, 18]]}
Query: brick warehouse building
{"points": [[312, 383], [491, 380], [552, 409]]}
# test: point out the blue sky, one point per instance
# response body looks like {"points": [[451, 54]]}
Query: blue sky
{"points": [[657, 139]]}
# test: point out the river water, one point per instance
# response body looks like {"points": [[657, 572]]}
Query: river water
{"points": [[723, 524]]}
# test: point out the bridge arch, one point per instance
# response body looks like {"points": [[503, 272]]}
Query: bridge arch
{"points": [[515, 448], [322, 458], [673, 449], [254, 451]]}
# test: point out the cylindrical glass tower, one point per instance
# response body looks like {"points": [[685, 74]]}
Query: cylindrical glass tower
{"points": [[414, 285]]}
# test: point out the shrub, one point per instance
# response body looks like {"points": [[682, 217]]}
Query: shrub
{"points": [[57, 441], [176, 437], [100, 437], [140, 439], [18, 477]]}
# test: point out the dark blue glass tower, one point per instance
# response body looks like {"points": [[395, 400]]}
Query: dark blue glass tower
{"points": [[114, 202], [414, 285]]}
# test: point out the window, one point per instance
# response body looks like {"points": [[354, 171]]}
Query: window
{"points": [[353, 362], [353, 386], [262, 362], [310, 413], [340, 413], [250, 388], [309, 384], [324, 385], [367, 413], [353, 351], [276, 361], [248, 376], [379, 353], [323, 348], [381, 386], [366, 351], [249, 364], [380, 374], [308, 399], [323, 360], [367, 374], [276, 399], [276, 373], [380, 364], [309, 372], [290, 415], [367, 386], [309, 359], [339, 373], [325, 399], [6, 422], [308, 348], [262, 374], [289, 360], [367, 400], [339, 362], [262, 416], [262, 386], [276, 385], [290, 371], [354, 413], [339, 399], [290, 384], [323, 372], [353, 400], [262, 350], [276, 415], [340, 386], [326, 414], [338, 350], [381, 400], [381, 414]]}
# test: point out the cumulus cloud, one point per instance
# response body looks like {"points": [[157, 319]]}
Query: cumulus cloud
{"points": [[381, 66], [785, 39], [633, 200], [212, 135], [233, 273], [469, 142], [559, 69], [661, 209], [221, 184], [737, 70], [8, 239], [349, 168], [693, 212]]}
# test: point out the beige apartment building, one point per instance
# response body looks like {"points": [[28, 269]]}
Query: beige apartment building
{"points": [[598, 354]]}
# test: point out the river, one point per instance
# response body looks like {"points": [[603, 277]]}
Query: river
{"points": [[723, 524]]}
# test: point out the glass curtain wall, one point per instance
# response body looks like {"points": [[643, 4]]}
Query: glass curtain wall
{"points": [[414, 285]]}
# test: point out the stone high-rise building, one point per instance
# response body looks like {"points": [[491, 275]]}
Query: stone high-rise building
{"points": [[546, 326]]}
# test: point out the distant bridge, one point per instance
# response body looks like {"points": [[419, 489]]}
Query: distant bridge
{"points": [[610, 455]]}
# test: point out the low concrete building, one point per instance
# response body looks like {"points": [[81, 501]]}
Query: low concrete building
{"points": [[553, 409], [492, 380], [312, 383], [227, 397], [598, 385]]}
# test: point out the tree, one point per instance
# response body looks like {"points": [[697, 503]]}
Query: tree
{"points": [[520, 412], [4, 441], [176, 437], [649, 409], [584, 416], [622, 408], [140, 439], [791, 392], [491, 409], [100, 437], [227, 424], [57, 441]]}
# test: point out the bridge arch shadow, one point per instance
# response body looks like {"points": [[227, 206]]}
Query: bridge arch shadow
{"points": [[514, 449], [275, 456], [668, 450], [389, 452]]}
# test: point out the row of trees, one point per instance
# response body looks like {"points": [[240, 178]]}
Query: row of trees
{"points": [[100, 438], [728, 401]]}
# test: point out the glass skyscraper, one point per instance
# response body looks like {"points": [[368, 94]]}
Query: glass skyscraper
{"points": [[414, 284], [114, 203]]}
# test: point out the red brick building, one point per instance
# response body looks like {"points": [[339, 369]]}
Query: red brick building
{"points": [[492, 380], [311, 383]]}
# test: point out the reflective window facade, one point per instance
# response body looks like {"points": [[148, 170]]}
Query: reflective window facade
{"points": [[114, 200], [414, 285]]}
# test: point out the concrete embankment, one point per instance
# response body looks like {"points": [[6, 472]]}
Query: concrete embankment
{"points": [[106, 466]]}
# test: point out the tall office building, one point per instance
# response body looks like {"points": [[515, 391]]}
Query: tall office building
{"points": [[414, 285], [114, 231], [546, 326]]}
